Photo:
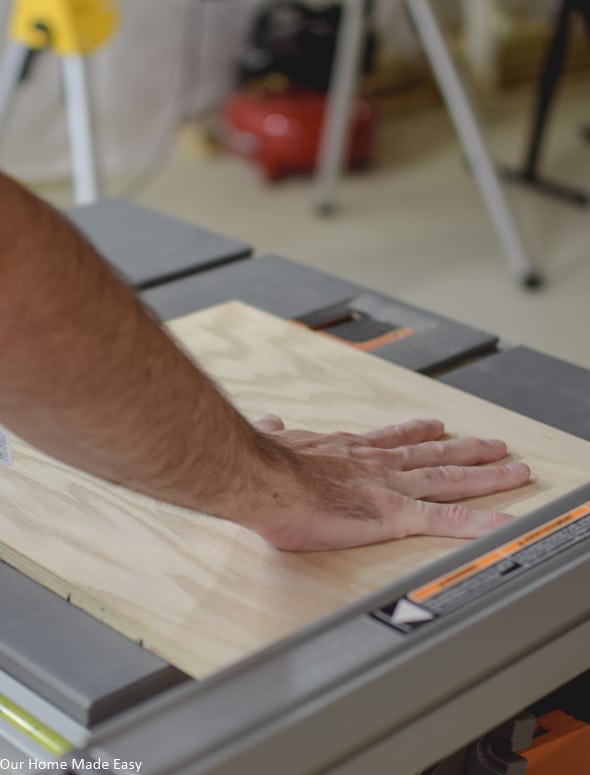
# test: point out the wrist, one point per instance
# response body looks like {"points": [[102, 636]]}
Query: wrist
{"points": [[265, 482]]}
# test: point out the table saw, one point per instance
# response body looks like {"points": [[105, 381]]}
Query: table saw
{"points": [[401, 680]]}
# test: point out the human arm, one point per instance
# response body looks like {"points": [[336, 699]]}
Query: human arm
{"points": [[87, 375]]}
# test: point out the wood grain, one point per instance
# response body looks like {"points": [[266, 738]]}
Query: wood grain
{"points": [[202, 592]]}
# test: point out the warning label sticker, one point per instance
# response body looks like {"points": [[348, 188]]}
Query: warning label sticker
{"points": [[467, 582]]}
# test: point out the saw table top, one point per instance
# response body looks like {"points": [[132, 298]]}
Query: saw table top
{"points": [[202, 592]]}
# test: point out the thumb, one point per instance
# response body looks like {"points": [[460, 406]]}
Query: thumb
{"points": [[451, 519], [269, 423]]}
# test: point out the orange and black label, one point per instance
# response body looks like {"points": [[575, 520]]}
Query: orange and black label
{"points": [[485, 573], [373, 344], [354, 327]]}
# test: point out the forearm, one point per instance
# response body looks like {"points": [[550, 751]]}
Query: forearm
{"points": [[89, 377]]}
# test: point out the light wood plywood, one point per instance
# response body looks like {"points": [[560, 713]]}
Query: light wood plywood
{"points": [[202, 592]]}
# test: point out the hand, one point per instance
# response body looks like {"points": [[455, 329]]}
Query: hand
{"points": [[347, 490]]}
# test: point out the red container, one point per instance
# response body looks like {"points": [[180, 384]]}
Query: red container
{"points": [[282, 133]]}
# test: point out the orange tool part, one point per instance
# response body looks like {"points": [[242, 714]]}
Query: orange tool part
{"points": [[561, 746]]}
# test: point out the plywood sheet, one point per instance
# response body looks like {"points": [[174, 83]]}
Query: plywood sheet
{"points": [[202, 592]]}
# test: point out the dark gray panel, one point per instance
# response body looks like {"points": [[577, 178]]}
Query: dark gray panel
{"points": [[21, 598], [81, 666], [150, 248], [534, 384], [441, 347], [437, 342], [270, 283], [291, 290]]}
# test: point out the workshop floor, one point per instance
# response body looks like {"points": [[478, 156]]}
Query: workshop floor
{"points": [[415, 226]]}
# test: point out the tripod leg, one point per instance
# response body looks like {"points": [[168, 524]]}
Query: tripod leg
{"points": [[337, 116], [549, 78], [472, 139], [80, 128], [529, 174], [11, 68]]}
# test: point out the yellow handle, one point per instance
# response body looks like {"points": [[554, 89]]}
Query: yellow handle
{"points": [[42, 735], [67, 26]]}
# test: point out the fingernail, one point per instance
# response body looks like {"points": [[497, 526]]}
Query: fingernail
{"points": [[496, 441], [518, 468]]}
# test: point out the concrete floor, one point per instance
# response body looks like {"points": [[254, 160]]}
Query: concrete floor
{"points": [[414, 226]]}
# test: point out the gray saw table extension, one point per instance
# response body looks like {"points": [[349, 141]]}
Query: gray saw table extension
{"points": [[76, 663], [149, 248], [326, 302], [529, 382]]}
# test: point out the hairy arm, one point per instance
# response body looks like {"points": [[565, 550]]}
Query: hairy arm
{"points": [[87, 375]]}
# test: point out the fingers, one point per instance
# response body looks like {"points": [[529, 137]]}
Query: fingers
{"points": [[451, 482], [454, 452], [269, 423], [388, 437], [450, 520], [413, 432]]}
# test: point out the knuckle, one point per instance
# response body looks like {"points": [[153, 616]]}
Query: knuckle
{"points": [[430, 475], [438, 447], [389, 433], [455, 474], [393, 507], [349, 439], [423, 482], [414, 484], [401, 457], [456, 517]]}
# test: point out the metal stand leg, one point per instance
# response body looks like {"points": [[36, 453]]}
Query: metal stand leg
{"points": [[549, 78], [336, 121], [529, 174], [11, 68], [80, 128], [471, 137]]}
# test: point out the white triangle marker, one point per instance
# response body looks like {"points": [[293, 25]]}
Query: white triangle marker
{"points": [[406, 613]]}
